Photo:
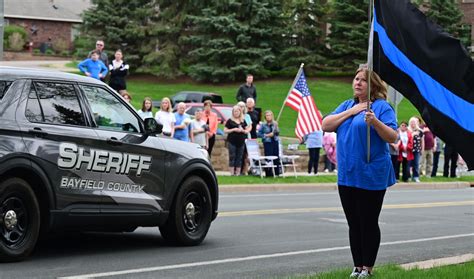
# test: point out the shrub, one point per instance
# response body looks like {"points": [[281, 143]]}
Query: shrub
{"points": [[60, 45], [16, 42], [49, 52], [65, 53], [9, 30], [36, 51]]}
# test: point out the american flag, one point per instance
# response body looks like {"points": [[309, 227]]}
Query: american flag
{"points": [[300, 99]]}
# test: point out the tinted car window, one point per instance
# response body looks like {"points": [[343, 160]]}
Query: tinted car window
{"points": [[180, 98], [109, 112], [54, 103], [4, 87]]}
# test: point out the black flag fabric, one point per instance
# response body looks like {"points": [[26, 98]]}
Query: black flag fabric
{"points": [[430, 68]]}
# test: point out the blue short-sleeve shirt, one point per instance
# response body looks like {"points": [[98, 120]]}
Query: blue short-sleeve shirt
{"points": [[353, 168]]}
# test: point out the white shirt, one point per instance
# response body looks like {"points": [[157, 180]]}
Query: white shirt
{"points": [[199, 138], [165, 118], [145, 114], [404, 139]]}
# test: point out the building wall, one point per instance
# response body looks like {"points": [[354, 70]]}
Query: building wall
{"points": [[47, 31], [468, 9]]}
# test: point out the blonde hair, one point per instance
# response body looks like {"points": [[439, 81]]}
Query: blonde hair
{"points": [[416, 120], [166, 99], [243, 107], [241, 117], [378, 89]]}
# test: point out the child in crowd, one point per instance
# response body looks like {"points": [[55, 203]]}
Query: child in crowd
{"points": [[199, 129], [146, 110]]}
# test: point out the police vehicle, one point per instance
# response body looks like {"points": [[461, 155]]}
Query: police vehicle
{"points": [[74, 156]]}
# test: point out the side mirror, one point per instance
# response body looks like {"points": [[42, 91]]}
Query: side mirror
{"points": [[152, 127]]}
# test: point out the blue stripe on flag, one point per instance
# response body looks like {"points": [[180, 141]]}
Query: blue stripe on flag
{"points": [[432, 91]]}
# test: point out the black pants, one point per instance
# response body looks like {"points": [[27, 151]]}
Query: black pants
{"points": [[362, 209], [405, 169], [271, 149], [212, 140], [435, 163], [450, 155], [313, 159], [328, 165]]}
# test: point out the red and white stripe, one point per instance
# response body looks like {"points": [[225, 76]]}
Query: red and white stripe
{"points": [[309, 119]]}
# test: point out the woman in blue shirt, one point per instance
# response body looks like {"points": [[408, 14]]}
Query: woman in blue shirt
{"points": [[269, 133], [362, 184]]}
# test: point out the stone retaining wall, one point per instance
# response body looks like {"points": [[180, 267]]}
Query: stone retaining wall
{"points": [[220, 157]]}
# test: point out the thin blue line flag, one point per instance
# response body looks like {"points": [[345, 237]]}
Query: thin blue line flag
{"points": [[430, 68]]}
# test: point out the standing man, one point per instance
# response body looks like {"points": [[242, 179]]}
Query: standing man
{"points": [[99, 47], [93, 67], [450, 155], [254, 116], [427, 153], [181, 129], [247, 90]]}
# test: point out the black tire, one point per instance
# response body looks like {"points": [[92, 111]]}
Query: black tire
{"points": [[189, 228], [18, 239]]}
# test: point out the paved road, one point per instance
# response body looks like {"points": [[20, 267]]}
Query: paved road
{"points": [[265, 235]]}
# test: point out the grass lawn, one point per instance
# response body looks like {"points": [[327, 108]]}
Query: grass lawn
{"points": [[459, 271], [328, 94], [230, 180]]}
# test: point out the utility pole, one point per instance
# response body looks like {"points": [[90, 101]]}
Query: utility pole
{"points": [[2, 24]]}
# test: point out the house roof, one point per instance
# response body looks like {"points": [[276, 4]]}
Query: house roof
{"points": [[55, 10]]}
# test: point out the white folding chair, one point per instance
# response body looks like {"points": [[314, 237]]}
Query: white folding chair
{"points": [[256, 160], [287, 160]]}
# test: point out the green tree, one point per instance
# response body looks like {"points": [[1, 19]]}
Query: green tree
{"points": [[123, 24], [349, 33], [233, 37], [165, 54], [448, 15], [305, 34]]}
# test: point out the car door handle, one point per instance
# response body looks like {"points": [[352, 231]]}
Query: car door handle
{"points": [[113, 141], [38, 132]]}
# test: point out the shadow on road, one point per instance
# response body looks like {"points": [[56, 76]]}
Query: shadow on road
{"points": [[94, 243]]}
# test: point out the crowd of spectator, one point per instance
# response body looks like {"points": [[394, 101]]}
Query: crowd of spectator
{"points": [[417, 150]]}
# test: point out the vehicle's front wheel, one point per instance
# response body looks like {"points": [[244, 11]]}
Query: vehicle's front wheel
{"points": [[190, 215], [19, 220]]}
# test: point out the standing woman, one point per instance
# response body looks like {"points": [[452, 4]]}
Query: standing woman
{"points": [[147, 108], [269, 133], [405, 151], [165, 117], [362, 184], [418, 144], [118, 71], [235, 128], [211, 120]]}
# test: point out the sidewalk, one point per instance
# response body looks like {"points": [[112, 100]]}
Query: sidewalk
{"points": [[54, 65]]}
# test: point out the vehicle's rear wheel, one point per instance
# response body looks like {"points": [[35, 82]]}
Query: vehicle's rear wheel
{"points": [[190, 215], [19, 220]]}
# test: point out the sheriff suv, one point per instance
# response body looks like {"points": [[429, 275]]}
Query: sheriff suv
{"points": [[74, 156]]}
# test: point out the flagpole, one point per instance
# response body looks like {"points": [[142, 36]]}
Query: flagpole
{"points": [[370, 68], [298, 74]]}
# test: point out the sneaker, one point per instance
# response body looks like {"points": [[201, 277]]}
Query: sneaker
{"points": [[364, 274], [326, 170], [417, 180], [355, 273]]}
